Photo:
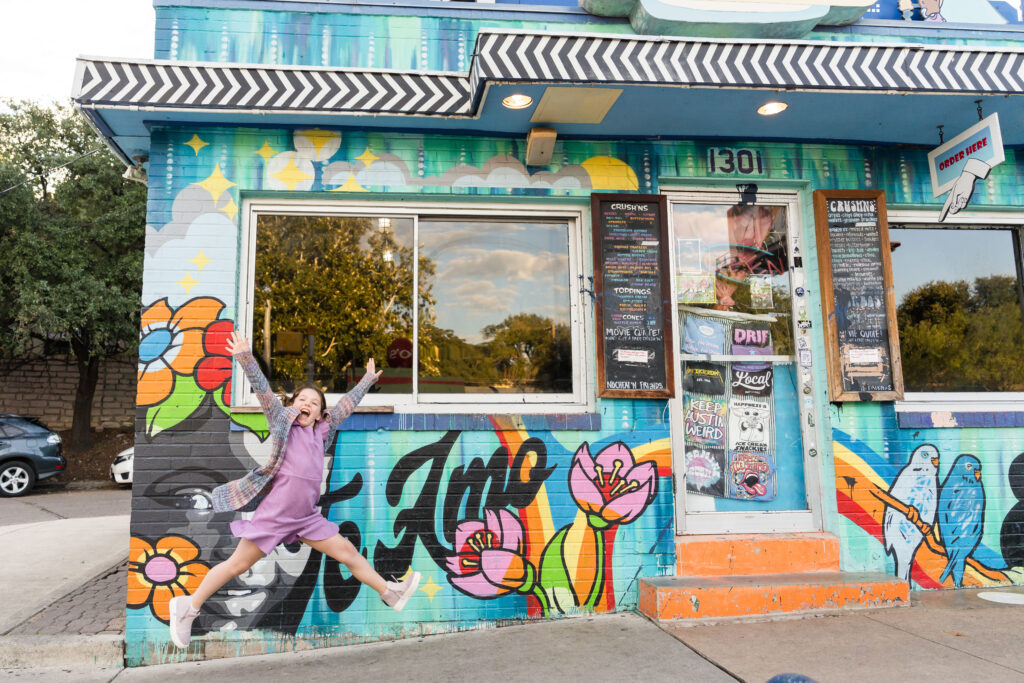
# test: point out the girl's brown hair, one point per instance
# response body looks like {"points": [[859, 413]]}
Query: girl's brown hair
{"points": [[319, 392]]}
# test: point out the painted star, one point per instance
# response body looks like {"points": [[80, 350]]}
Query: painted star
{"points": [[351, 185], [318, 137], [431, 588], [367, 157], [216, 184], [200, 260], [187, 282], [291, 175], [196, 143], [266, 151], [231, 209]]}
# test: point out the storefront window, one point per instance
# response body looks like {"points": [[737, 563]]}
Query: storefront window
{"points": [[447, 305], [500, 316], [958, 301]]}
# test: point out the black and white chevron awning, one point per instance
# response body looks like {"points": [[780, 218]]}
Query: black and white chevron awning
{"points": [[268, 88], [801, 65], [553, 58]]}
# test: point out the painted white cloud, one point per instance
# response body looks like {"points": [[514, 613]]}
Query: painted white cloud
{"points": [[174, 266]]}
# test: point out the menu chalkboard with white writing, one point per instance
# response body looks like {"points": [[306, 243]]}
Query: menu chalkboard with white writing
{"points": [[858, 303], [634, 352]]}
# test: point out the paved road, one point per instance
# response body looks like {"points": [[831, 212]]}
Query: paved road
{"points": [[49, 503], [55, 542]]}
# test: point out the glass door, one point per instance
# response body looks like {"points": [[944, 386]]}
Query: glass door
{"points": [[742, 425]]}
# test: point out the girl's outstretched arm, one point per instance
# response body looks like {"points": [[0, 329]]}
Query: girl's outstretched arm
{"points": [[348, 402], [239, 348]]}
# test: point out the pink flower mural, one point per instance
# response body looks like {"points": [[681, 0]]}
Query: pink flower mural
{"points": [[612, 488], [488, 560]]}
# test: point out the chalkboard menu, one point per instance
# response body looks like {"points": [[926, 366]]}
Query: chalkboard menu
{"points": [[634, 352], [858, 303]]}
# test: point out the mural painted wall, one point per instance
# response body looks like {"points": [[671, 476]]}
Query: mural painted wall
{"points": [[573, 508], [938, 506], [446, 43], [424, 491]]}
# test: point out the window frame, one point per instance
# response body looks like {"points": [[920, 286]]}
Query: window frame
{"points": [[963, 401], [580, 400]]}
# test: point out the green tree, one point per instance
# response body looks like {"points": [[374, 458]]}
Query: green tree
{"points": [[531, 352], [73, 262], [344, 280], [956, 336]]}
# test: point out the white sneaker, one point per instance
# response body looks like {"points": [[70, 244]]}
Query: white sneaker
{"points": [[399, 592], [182, 616]]}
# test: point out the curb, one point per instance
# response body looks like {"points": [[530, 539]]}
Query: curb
{"points": [[104, 651]]}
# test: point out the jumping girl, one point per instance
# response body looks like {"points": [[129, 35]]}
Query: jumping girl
{"points": [[284, 494]]}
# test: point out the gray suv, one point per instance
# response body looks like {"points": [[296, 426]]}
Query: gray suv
{"points": [[28, 452]]}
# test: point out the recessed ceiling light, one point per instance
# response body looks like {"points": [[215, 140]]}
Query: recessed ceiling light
{"points": [[772, 108], [517, 101]]}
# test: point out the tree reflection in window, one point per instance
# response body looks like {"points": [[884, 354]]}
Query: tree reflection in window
{"points": [[958, 309], [347, 281]]}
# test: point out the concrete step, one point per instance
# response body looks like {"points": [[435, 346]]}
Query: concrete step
{"points": [[666, 598], [752, 554]]}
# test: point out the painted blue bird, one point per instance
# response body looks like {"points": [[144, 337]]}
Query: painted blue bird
{"points": [[961, 514], [917, 485]]}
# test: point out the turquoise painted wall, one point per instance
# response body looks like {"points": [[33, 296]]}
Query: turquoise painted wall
{"points": [[188, 441], [420, 42]]}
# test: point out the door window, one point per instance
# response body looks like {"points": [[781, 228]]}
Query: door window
{"points": [[741, 417]]}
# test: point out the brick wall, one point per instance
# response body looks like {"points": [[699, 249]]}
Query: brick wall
{"points": [[45, 388]]}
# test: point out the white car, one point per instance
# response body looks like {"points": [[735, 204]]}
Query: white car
{"points": [[123, 466]]}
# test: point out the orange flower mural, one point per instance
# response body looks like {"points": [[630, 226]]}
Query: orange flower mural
{"points": [[171, 344], [161, 572]]}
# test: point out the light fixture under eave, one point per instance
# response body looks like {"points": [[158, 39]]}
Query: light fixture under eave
{"points": [[772, 108], [517, 101]]}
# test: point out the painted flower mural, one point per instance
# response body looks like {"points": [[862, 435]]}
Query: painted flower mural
{"points": [[574, 571], [489, 561], [171, 344], [214, 370], [157, 573], [611, 488]]}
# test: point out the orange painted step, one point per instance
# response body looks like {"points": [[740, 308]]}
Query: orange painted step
{"points": [[750, 554], [671, 597]]}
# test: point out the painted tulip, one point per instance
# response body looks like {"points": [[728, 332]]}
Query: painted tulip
{"points": [[611, 488], [488, 560]]}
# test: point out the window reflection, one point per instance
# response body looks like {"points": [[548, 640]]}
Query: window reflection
{"points": [[958, 309], [733, 258], [492, 303], [500, 322], [331, 292]]}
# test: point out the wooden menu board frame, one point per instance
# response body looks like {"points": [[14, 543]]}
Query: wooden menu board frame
{"points": [[598, 238], [838, 386]]}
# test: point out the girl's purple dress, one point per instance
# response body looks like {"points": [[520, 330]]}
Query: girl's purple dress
{"points": [[289, 511]]}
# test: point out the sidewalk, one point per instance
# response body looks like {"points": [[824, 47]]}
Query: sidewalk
{"points": [[944, 635]]}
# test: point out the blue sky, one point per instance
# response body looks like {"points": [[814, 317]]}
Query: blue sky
{"points": [[929, 255]]}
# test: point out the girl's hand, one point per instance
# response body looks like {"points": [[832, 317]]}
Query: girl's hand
{"points": [[237, 343], [371, 367]]}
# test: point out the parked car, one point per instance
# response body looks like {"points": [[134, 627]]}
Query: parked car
{"points": [[29, 452], [122, 469]]}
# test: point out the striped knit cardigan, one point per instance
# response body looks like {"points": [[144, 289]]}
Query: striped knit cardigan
{"points": [[245, 494]]}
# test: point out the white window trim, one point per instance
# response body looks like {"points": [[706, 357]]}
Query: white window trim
{"points": [[958, 401], [581, 400]]}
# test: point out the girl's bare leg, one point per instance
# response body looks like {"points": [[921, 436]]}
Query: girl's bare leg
{"points": [[342, 550], [245, 556]]}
